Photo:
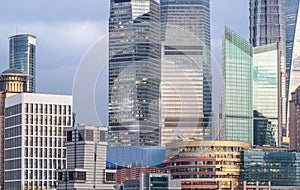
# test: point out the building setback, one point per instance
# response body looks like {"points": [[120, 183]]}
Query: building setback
{"points": [[186, 83], [35, 139], [22, 56], [134, 72]]}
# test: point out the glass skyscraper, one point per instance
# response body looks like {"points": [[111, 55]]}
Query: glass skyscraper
{"points": [[134, 72], [22, 56], [237, 89], [186, 92], [266, 89], [267, 25], [293, 45]]}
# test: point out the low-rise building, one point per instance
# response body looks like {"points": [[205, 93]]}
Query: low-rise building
{"points": [[86, 160]]}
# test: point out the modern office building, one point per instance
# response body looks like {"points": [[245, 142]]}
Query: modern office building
{"points": [[22, 56], [186, 82], [267, 25], [35, 139], [135, 156], [266, 168], [266, 94], [12, 82], [86, 160], [134, 72], [251, 110], [294, 120], [205, 164], [292, 45], [237, 103]]}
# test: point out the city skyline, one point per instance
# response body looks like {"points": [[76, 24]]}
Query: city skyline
{"points": [[59, 61]]}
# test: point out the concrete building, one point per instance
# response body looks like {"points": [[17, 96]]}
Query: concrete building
{"points": [[186, 82], [22, 57], [134, 73], [86, 160], [205, 164], [35, 139], [294, 120], [11, 82]]}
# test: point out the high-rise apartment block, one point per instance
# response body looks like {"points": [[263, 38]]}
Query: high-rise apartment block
{"points": [[22, 56], [86, 160], [35, 139], [251, 91], [134, 72], [268, 25], [186, 82]]}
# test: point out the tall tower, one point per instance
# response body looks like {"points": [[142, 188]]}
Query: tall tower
{"points": [[237, 96], [267, 25], [22, 56], [134, 72], [11, 82], [186, 101]]}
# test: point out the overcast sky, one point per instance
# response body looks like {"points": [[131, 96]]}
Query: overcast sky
{"points": [[65, 29]]}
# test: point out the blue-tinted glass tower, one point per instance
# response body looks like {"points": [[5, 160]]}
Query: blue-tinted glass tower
{"points": [[22, 56]]}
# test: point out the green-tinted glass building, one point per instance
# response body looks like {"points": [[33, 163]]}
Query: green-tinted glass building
{"points": [[251, 91], [237, 88], [266, 91]]}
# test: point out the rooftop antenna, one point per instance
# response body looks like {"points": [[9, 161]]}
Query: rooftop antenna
{"points": [[16, 30]]}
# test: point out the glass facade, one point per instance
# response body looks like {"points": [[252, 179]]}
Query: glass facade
{"points": [[293, 46], [266, 88], [186, 91], [22, 56], [237, 88], [134, 72], [271, 168], [267, 25]]}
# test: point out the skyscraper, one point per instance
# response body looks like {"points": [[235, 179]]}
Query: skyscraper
{"points": [[294, 120], [12, 82], [237, 89], [35, 139], [266, 94], [134, 72], [267, 25], [22, 56], [186, 93], [293, 45], [251, 91]]}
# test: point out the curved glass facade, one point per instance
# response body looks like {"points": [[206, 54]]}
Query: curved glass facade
{"points": [[22, 56], [134, 72]]}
